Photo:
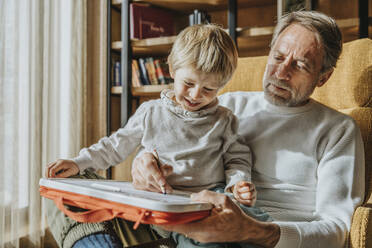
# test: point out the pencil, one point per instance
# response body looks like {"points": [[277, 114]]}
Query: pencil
{"points": [[155, 153]]}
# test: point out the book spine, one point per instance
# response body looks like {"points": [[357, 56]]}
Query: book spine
{"points": [[132, 30], [143, 71], [136, 82], [151, 71], [191, 19], [196, 16], [117, 74], [159, 71], [165, 69]]}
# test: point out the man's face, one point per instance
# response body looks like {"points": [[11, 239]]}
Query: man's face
{"points": [[293, 68], [194, 90]]}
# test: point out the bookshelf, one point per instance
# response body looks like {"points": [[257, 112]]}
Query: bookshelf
{"points": [[129, 49], [127, 96], [249, 22]]}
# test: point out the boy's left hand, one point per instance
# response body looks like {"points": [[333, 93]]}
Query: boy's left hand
{"points": [[245, 192]]}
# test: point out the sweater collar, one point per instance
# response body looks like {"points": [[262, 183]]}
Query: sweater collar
{"points": [[289, 110], [167, 96]]}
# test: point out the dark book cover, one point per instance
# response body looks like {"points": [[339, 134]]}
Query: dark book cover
{"points": [[165, 69], [147, 21], [143, 71], [117, 74]]}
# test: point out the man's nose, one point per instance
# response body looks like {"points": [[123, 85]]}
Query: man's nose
{"points": [[283, 71]]}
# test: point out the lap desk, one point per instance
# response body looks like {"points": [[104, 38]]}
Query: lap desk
{"points": [[103, 200]]}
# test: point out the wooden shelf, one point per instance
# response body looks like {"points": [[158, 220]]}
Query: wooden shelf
{"points": [[263, 31], [208, 5], [147, 90], [117, 45], [249, 39], [116, 2], [148, 47], [154, 41]]}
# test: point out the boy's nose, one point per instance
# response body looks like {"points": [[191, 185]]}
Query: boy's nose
{"points": [[195, 93]]}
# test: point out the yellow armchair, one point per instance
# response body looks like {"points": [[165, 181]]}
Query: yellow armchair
{"points": [[349, 90]]}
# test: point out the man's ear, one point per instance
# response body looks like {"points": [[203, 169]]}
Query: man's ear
{"points": [[324, 78]]}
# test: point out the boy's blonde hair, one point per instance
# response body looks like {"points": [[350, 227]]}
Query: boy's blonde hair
{"points": [[207, 48]]}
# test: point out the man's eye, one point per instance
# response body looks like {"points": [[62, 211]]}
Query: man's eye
{"points": [[301, 66], [278, 58], [208, 89], [188, 84]]}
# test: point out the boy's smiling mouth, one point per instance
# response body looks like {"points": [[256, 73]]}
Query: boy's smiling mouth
{"points": [[191, 103]]}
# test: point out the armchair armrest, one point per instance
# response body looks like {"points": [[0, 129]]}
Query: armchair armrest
{"points": [[361, 226]]}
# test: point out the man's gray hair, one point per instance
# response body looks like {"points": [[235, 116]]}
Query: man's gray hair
{"points": [[325, 28]]}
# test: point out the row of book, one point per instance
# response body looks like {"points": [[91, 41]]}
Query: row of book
{"points": [[145, 71], [150, 71]]}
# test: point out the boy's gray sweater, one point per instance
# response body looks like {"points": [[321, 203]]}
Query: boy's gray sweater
{"points": [[202, 146]]}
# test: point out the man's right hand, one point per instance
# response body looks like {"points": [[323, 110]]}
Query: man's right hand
{"points": [[62, 168], [226, 215], [147, 175]]}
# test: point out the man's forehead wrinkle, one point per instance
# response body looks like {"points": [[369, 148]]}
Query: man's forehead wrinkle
{"points": [[298, 53]]}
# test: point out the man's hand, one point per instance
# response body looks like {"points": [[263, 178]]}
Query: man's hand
{"points": [[245, 192], [148, 176], [227, 223], [62, 168]]}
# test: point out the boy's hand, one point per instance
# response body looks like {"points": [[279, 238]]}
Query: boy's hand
{"points": [[62, 168], [148, 176], [245, 193]]}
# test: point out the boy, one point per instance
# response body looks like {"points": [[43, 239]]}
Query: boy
{"points": [[186, 127]]}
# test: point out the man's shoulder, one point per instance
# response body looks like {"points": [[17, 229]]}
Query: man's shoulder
{"points": [[237, 96], [334, 118], [240, 102], [332, 113]]}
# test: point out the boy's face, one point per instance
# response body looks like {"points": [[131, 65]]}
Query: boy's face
{"points": [[194, 90]]}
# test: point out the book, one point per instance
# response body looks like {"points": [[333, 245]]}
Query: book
{"points": [[124, 192], [108, 199], [150, 66], [159, 72], [143, 72], [117, 74], [199, 17], [147, 21], [165, 69], [136, 78]]}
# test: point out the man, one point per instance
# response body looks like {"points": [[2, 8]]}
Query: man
{"points": [[309, 158]]}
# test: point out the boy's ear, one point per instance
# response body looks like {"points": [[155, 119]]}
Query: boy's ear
{"points": [[324, 78], [171, 71]]}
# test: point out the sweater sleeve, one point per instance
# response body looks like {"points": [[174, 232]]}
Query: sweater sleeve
{"points": [[237, 155], [339, 191], [116, 148]]}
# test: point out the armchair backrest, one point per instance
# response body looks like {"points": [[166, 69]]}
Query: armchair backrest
{"points": [[349, 90]]}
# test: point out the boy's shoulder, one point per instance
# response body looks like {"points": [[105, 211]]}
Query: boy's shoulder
{"points": [[224, 110], [150, 104], [225, 113]]}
